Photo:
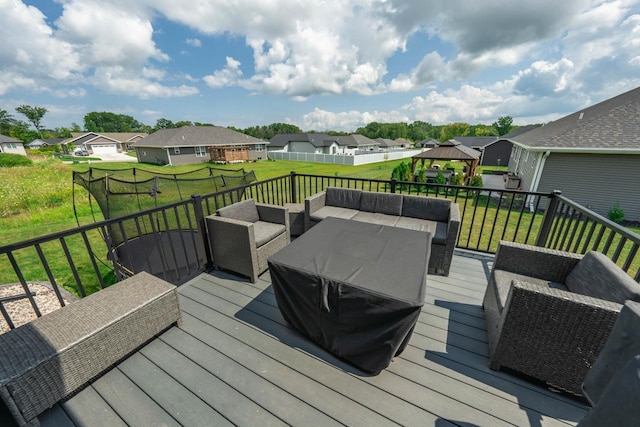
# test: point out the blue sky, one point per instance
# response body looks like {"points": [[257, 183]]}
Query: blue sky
{"points": [[333, 64]]}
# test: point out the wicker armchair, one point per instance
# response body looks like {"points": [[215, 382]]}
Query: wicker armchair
{"points": [[243, 235], [549, 313]]}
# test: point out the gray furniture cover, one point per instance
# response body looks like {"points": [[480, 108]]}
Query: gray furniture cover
{"points": [[354, 288], [612, 386]]}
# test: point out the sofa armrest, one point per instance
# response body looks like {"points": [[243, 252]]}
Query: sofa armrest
{"points": [[535, 261], [312, 204], [274, 214], [552, 334], [233, 244]]}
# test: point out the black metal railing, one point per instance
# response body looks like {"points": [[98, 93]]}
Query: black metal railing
{"points": [[171, 241]]}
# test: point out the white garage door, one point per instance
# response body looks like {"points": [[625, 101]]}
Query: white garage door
{"points": [[104, 149]]}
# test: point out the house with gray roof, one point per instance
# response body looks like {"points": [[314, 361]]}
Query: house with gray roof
{"points": [[10, 145], [494, 151], [427, 143], [97, 143], [320, 143], [388, 144], [199, 144], [45, 142], [592, 156]]}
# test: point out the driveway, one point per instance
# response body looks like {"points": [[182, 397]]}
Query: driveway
{"points": [[115, 157]]}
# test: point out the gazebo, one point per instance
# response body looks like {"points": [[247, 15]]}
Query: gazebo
{"points": [[449, 150]]}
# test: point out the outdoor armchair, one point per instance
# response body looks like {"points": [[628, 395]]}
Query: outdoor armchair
{"points": [[549, 313], [243, 235]]}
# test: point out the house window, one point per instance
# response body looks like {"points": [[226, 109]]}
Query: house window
{"points": [[201, 152], [12, 145], [259, 147], [176, 150]]}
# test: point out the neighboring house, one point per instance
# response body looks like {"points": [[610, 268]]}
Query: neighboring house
{"points": [[199, 144], [427, 143], [9, 145], [97, 143], [320, 143], [494, 151], [41, 143], [388, 144], [592, 156], [404, 143]]}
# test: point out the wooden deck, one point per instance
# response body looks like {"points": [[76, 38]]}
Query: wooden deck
{"points": [[235, 361]]}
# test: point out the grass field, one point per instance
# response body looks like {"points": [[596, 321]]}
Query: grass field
{"points": [[38, 200]]}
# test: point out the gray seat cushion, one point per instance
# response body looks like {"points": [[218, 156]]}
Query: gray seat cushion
{"points": [[333, 211], [343, 198], [503, 284], [245, 210], [599, 277], [384, 203], [267, 231], [376, 218], [437, 229], [431, 208]]}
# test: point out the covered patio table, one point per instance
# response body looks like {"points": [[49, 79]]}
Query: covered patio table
{"points": [[354, 288]]}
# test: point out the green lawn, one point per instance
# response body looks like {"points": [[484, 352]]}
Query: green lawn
{"points": [[38, 200]]}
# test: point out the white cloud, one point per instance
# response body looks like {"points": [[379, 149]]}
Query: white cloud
{"points": [[320, 119], [228, 76], [118, 81], [194, 42]]}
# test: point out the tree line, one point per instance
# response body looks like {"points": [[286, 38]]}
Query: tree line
{"points": [[105, 121]]}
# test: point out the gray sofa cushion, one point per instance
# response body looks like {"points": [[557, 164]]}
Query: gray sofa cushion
{"points": [[266, 232], [503, 284], [376, 218], [343, 198], [333, 211], [438, 230], [599, 277], [245, 210], [431, 208], [384, 203]]}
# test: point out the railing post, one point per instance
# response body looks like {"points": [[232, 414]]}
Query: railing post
{"points": [[294, 189], [547, 220], [202, 228], [394, 182]]}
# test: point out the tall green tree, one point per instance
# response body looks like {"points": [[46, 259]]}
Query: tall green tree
{"points": [[34, 115], [503, 125], [452, 130], [105, 121], [6, 122]]}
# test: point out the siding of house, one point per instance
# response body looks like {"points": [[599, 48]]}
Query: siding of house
{"points": [[497, 154], [257, 152], [526, 166], [595, 181], [152, 155], [187, 156], [301, 147], [8, 147]]}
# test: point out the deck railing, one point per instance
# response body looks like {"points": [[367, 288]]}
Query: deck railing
{"points": [[171, 241]]}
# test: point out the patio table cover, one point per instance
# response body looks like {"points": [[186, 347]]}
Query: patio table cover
{"points": [[354, 288]]}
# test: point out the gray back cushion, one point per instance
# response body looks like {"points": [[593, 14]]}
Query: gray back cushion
{"points": [[343, 198], [597, 276], [384, 203], [243, 211], [431, 208]]}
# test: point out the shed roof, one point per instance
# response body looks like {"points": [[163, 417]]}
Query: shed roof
{"points": [[449, 150]]}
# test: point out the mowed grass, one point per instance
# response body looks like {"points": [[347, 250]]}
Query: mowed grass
{"points": [[39, 200]]}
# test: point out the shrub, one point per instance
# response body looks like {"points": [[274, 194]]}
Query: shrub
{"points": [[8, 160], [476, 181], [457, 179], [616, 214]]}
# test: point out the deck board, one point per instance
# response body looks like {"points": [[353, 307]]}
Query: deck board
{"points": [[236, 361]]}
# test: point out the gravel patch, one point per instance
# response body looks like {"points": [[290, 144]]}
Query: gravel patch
{"points": [[21, 312]]}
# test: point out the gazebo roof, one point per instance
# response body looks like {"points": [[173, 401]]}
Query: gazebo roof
{"points": [[449, 150]]}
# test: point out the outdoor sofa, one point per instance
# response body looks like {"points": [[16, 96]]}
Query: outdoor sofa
{"points": [[549, 312], [438, 216]]}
